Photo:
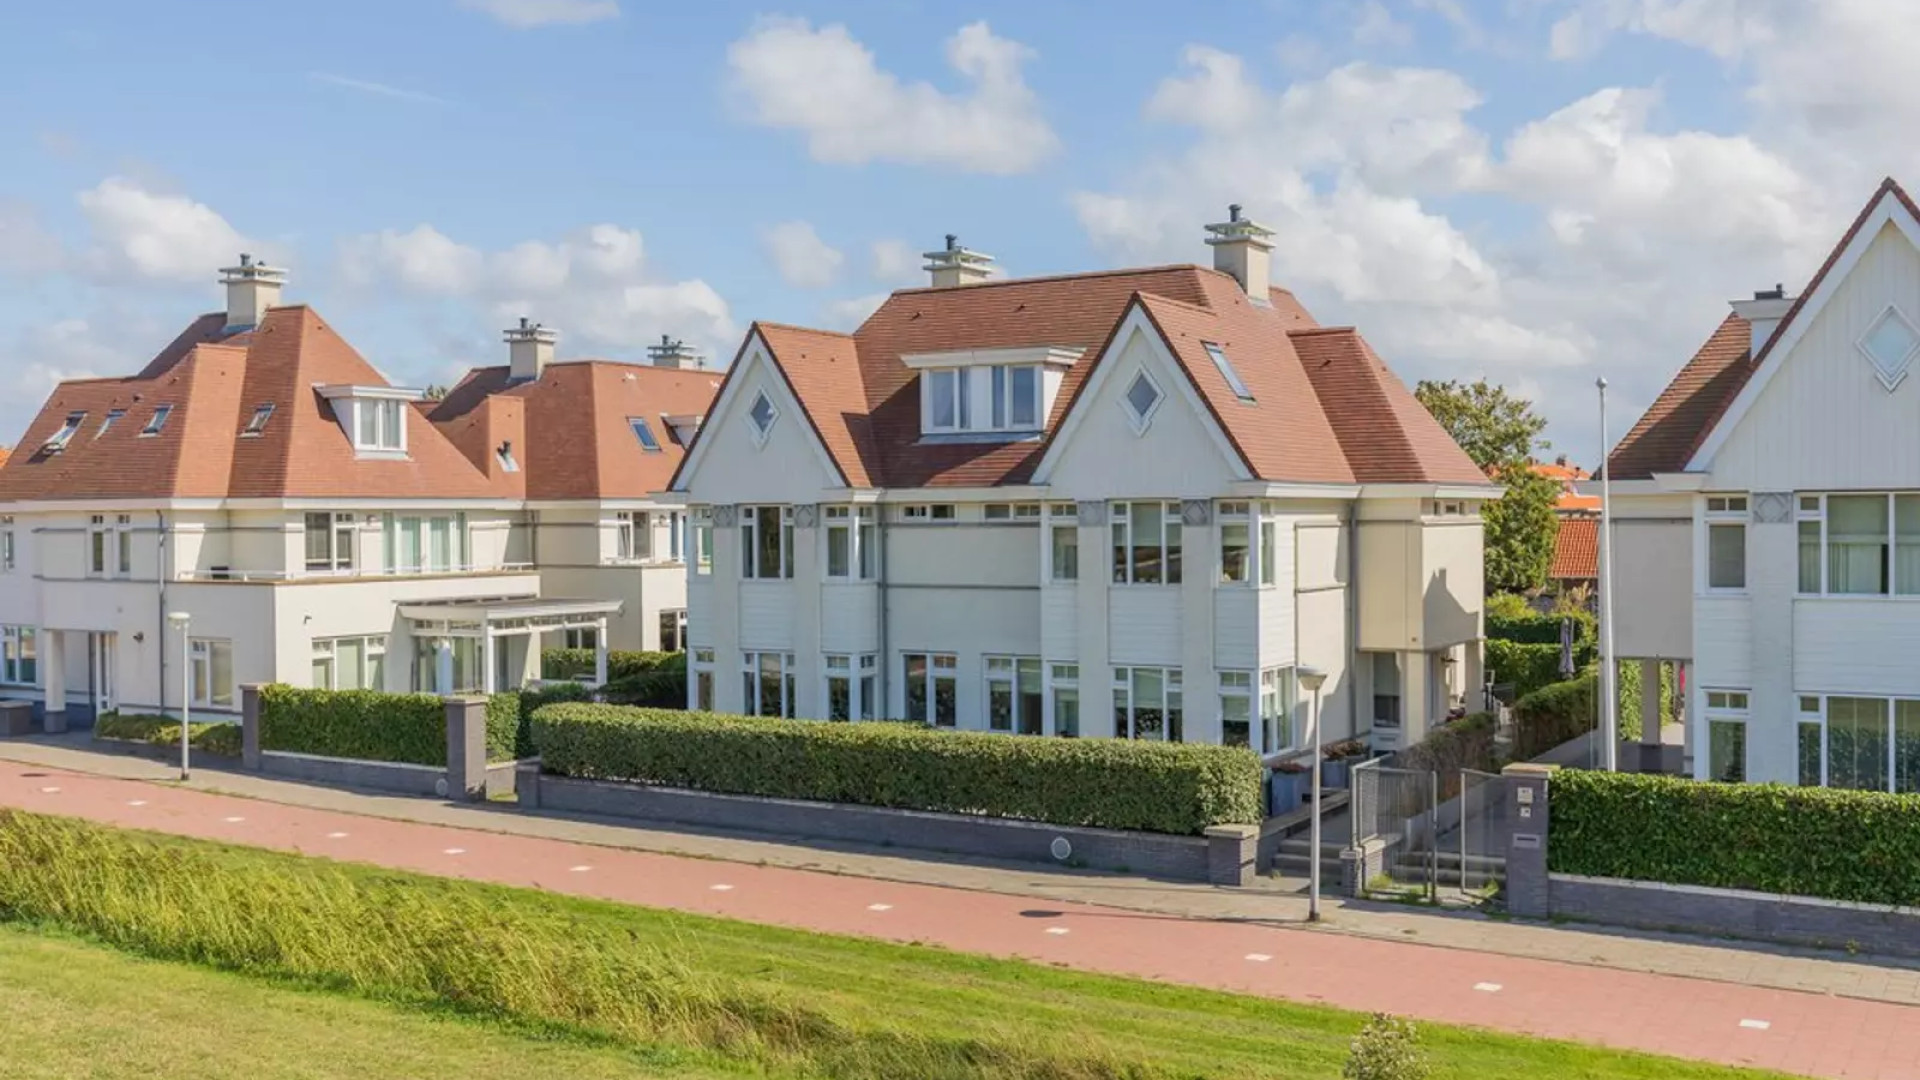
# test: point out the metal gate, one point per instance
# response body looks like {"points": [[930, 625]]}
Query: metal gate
{"points": [[1482, 833], [1396, 808]]}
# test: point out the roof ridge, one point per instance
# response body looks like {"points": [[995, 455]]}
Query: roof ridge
{"points": [[770, 324], [998, 283]]}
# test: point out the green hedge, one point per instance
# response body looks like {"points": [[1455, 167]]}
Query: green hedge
{"points": [[1526, 667], [1110, 783], [662, 689], [1466, 743], [1553, 714], [213, 738], [1538, 628], [1842, 845], [365, 725], [578, 663]]}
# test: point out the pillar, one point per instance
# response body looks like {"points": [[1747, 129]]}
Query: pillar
{"points": [[51, 645], [1528, 887], [1231, 854], [466, 747], [1650, 718], [1416, 697], [1474, 676], [488, 643], [443, 666], [250, 725], [600, 652]]}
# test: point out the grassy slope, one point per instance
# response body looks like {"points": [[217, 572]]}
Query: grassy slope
{"points": [[74, 1009]]}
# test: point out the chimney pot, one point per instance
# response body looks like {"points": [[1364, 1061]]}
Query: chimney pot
{"points": [[1243, 249], [1233, 211], [954, 265], [671, 353], [252, 288], [529, 350]]}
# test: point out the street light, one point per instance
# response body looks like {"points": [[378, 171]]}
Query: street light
{"points": [[180, 620], [1609, 666], [1312, 678]]}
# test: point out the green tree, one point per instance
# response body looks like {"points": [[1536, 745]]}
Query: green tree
{"points": [[1501, 432], [1388, 1048]]}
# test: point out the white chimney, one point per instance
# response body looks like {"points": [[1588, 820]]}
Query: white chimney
{"points": [[954, 265], [674, 354], [1763, 313], [1241, 249], [252, 288], [529, 350]]}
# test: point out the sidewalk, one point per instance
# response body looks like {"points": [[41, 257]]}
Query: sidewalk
{"points": [[1675, 997]]}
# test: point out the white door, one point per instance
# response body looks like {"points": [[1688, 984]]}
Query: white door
{"points": [[105, 696]]}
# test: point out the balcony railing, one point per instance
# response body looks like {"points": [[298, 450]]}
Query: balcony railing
{"points": [[223, 573]]}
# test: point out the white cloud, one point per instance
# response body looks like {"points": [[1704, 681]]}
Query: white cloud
{"points": [[524, 14], [1377, 27], [803, 259], [848, 314], [824, 83], [155, 236], [377, 89], [895, 261]]}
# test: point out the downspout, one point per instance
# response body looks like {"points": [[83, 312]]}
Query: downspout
{"points": [[1353, 618], [886, 645], [160, 616]]}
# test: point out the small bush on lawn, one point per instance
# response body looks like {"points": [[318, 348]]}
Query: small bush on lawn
{"points": [[578, 663], [220, 738], [366, 725], [1388, 1048], [1109, 783], [1842, 845]]}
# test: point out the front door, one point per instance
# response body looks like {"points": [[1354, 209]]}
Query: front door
{"points": [[106, 697]]}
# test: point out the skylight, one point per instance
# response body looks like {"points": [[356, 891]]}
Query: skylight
{"points": [[261, 414], [644, 433], [159, 420], [107, 424], [65, 434], [1219, 357], [504, 452]]}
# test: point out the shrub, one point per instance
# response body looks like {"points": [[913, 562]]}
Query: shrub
{"points": [[1525, 666], [507, 728], [578, 663], [1109, 783], [665, 688], [1529, 627], [1553, 714], [1507, 605], [213, 738], [1388, 1048], [1842, 845], [1466, 743], [1630, 697], [366, 725]]}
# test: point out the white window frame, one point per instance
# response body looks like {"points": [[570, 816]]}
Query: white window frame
{"points": [[1121, 546], [1238, 687], [1817, 509], [99, 542], [123, 545], [673, 625], [1234, 514], [1011, 512], [750, 528], [257, 423], [19, 656], [1224, 365], [58, 440], [201, 653], [936, 668], [1063, 677], [632, 536], [643, 433], [7, 552], [997, 671], [1279, 700], [676, 533], [1266, 552], [1172, 704], [754, 428], [856, 528], [921, 513], [580, 637], [984, 399], [1727, 511], [340, 531], [113, 417], [379, 425], [371, 676], [700, 540], [700, 680], [1137, 419], [753, 671], [1062, 519], [157, 422], [861, 674]]}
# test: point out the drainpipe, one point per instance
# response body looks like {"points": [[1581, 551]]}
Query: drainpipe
{"points": [[885, 681], [160, 616], [1353, 618]]}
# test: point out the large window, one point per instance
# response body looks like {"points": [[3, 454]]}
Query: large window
{"points": [[998, 397], [212, 672], [354, 663], [853, 543], [1236, 708], [17, 656], [673, 629], [1236, 544], [853, 686], [766, 541], [1868, 743], [1726, 542], [1276, 710], [1146, 543], [1147, 703], [465, 654], [633, 535], [1063, 542], [379, 424], [329, 542], [1727, 736], [700, 525], [1860, 545], [767, 684], [414, 544], [1065, 680], [1013, 695], [932, 688]]}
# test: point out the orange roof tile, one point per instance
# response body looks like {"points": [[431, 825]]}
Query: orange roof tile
{"points": [[1576, 549]]}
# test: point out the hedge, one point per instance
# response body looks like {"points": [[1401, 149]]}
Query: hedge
{"points": [[1553, 714], [1526, 667], [1466, 743], [364, 725], [214, 738], [1540, 628], [1107, 783], [1860, 846], [578, 663]]}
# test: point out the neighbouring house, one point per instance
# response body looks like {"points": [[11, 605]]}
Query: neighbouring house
{"points": [[1131, 503], [311, 521], [1576, 554], [1572, 500], [1767, 523]]}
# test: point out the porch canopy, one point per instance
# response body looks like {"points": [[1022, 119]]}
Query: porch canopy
{"points": [[463, 624]]}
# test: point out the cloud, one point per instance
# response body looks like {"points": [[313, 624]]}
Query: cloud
{"points": [[155, 236], [894, 261], [848, 314], [825, 84], [375, 88], [1377, 27], [803, 259], [26, 247], [525, 14]]}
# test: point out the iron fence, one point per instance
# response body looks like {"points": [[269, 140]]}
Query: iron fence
{"points": [[1398, 808]]}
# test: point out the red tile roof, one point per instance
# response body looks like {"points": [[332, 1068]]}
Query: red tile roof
{"points": [[1568, 476], [1576, 549]]}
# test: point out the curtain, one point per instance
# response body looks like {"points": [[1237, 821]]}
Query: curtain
{"points": [[1857, 544]]}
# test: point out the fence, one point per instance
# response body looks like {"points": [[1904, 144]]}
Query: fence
{"points": [[1482, 834], [1395, 811]]}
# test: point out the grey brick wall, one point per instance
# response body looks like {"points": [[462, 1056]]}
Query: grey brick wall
{"points": [[1796, 920]]}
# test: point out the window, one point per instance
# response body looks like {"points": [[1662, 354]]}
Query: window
{"points": [[925, 512], [760, 418], [464, 655], [1726, 542], [1146, 543], [1066, 700], [329, 542], [1727, 736], [1859, 545], [702, 689], [580, 637], [1225, 367], [212, 672], [1276, 710], [767, 684], [987, 397], [1857, 541], [947, 400], [6, 543], [702, 527], [644, 432], [61, 438], [123, 544], [258, 422], [853, 539], [1889, 346], [401, 538], [1063, 550], [1812, 743], [353, 663], [1857, 743], [930, 688], [1013, 695], [633, 535], [1236, 709], [1269, 550], [766, 542], [1023, 397], [157, 421], [1141, 399], [1386, 690], [17, 656], [504, 454], [673, 629], [379, 424], [1012, 511], [852, 696], [106, 424], [1236, 555], [97, 545], [676, 526], [1147, 704]]}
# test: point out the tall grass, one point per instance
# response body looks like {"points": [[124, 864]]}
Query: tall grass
{"points": [[422, 941]]}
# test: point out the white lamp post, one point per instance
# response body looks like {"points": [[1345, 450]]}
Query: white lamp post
{"points": [[180, 620], [1609, 667], [1312, 678]]}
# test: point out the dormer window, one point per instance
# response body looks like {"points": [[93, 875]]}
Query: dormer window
{"points": [[644, 432], [65, 435], [379, 425], [373, 417], [258, 423], [984, 398], [106, 425], [157, 421]]}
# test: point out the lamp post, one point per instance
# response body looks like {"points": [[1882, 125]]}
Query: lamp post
{"points": [[1609, 666], [1312, 678], [181, 620]]}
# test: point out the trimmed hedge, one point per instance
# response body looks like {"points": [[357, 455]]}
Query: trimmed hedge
{"points": [[213, 738], [364, 725], [1540, 628], [1107, 783], [1526, 667], [1553, 714], [578, 663], [1860, 846]]}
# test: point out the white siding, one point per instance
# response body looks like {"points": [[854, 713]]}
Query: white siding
{"points": [[1236, 628], [1856, 646], [1144, 626], [1723, 640], [1060, 623], [1176, 456], [849, 618], [766, 614]]}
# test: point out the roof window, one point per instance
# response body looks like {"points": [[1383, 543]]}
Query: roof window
{"points": [[504, 454], [261, 414], [106, 425], [1225, 366], [643, 432], [65, 434], [157, 421]]}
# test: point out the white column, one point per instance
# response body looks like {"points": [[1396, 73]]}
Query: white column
{"points": [[600, 652], [487, 646], [1650, 719], [1416, 697], [1474, 676], [51, 646], [443, 666]]}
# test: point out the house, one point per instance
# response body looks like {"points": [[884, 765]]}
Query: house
{"points": [[258, 503], [1132, 503], [1767, 523], [1572, 500], [1576, 553]]}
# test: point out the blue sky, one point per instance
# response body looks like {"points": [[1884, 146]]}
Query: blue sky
{"points": [[1533, 190]]}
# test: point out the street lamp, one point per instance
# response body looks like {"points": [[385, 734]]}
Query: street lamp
{"points": [[180, 620], [1312, 678], [1609, 666]]}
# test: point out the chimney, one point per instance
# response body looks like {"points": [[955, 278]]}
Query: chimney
{"points": [[1763, 313], [954, 265], [674, 354], [252, 288], [529, 350], [1241, 249]]}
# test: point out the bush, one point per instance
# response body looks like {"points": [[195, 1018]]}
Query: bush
{"points": [[665, 688], [1630, 697], [1526, 667], [1388, 1048], [1466, 743], [578, 663], [508, 731], [213, 738], [1553, 714], [1530, 627], [1842, 845], [1109, 783], [365, 725]]}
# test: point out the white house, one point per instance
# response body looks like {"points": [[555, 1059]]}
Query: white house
{"points": [[1767, 530], [315, 524], [1127, 503]]}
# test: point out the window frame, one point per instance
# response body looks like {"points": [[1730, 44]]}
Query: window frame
{"points": [[1279, 698], [386, 419], [1062, 519], [1238, 685], [1009, 671], [999, 405], [937, 668], [700, 684], [858, 529], [643, 432], [9, 555], [1063, 684], [1221, 363], [1731, 513], [1727, 706], [755, 671], [106, 423], [1126, 689], [257, 423], [19, 655], [1236, 514], [700, 540], [751, 529], [1122, 545], [157, 422], [340, 532], [204, 689], [57, 442], [672, 624]]}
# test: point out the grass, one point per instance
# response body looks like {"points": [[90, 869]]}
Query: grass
{"points": [[785, 1001]]}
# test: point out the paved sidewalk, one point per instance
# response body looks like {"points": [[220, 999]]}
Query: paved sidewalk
{"points": [[1815, 1034]]}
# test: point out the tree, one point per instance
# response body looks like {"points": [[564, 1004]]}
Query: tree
{"points": [[435, 392], [1500, 432]]}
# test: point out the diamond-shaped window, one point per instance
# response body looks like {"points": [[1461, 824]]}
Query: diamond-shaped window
{"points": [[761, 416], [1141, 399], [1889, 345]]}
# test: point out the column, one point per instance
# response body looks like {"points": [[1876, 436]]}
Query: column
{"points": [[1474, 674], [51, 645], [1650, 718], [600, 652], [1416, 697], [1200, 553], [488, 644], [1096, 576], [443, 666]]}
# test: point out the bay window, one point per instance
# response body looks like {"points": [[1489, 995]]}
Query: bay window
{"points": [[1148, 703], [1236, 544], [1726, 542], [1146, 543], [853, 540], [931, 688], [1236, 709], [767, 684], [1013, 695], [766, 542], [1065, 679], [1276, 710]]}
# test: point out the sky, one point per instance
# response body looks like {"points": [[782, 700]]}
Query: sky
{"points": [[1537, 192]]}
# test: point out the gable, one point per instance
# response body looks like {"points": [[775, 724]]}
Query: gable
{"points": [[729, 463]]}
